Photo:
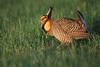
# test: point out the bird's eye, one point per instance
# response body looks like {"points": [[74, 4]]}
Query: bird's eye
{"points": [[43, 17], [46, 17]]}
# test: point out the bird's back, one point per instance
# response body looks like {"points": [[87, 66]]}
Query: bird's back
{"points": [[67, 30]]}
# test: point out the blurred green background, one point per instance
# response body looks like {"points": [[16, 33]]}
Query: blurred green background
{"points": [[24, 44]]}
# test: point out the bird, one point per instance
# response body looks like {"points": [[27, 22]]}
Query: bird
{"points": [[66, 30]]}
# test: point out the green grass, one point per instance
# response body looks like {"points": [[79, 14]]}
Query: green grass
{"points": [[24, 44]]}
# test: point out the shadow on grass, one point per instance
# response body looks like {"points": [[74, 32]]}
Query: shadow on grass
{"points": [[96, 25]]}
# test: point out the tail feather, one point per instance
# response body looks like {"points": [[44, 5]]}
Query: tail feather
{"points": [[80, 35], [82, 19]]}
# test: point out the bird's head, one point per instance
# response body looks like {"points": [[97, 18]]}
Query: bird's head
{"points": [[45, 18]]}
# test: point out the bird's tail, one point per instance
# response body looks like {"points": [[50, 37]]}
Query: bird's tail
{"points": [[81, 17]]}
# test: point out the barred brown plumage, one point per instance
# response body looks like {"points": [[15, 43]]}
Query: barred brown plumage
{"points": [[65, 30]]}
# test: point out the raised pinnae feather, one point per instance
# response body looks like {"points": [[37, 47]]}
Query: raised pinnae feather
{"points": [[49, 13]]}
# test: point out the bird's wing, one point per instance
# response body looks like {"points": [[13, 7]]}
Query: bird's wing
{"points": [[69, 26], [74, 29]]}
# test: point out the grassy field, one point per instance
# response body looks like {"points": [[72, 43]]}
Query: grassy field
{"points": [[24, 44]]}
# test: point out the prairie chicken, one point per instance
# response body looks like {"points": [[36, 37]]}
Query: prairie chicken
{"points": [[65, 30]]}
